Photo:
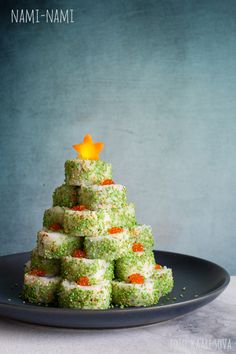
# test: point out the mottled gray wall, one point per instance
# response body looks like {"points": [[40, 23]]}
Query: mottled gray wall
{"points": [[155, 80]]}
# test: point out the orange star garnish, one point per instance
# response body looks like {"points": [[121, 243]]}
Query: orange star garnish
{"points": [[88, 150]]}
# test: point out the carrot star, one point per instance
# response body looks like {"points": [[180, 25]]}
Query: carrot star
{"points": [[88, 150]]}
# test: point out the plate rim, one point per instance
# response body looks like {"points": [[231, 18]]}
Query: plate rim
{"points": [[70, 311]]}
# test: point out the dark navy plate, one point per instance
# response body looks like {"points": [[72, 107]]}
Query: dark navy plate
{"points": [[197, 282]]}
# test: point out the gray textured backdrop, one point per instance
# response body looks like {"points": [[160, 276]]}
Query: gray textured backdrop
{"points": [[154, 80]]}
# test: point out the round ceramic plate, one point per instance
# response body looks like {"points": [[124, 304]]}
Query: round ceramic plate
{"points": [[197, 282]]}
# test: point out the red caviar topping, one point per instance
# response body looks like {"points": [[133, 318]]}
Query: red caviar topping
{"points": [[115, 230], [137, 247], [55, 227], [136, 278], [158, 266], [78, 207], [106, 182], [38, 272], [83, 281], [79, 254]]}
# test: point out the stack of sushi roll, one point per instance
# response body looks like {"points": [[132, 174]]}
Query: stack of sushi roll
{"points": [[41, 279], [134, 285], [91, 253]]}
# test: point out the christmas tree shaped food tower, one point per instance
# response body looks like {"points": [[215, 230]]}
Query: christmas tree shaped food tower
{"points": [[91, 253]]}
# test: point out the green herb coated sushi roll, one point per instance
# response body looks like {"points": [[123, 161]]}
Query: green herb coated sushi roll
{"points": [[96, 270], [109, 247], [56, 244], [65, 196], [163, 279], [85, 296], [123, 216], [86, 222], [103, 196], [142, 234], [135, 262], [40, 289], [134, 294], [54, 215], [51, 267], [79, 172]]}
